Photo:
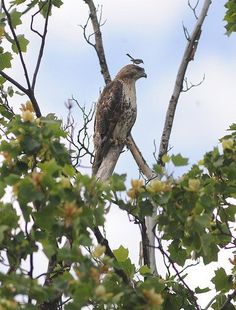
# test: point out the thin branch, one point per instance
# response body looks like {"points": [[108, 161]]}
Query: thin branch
{"points": [[98, 41], [138, 157], [41, 50], [29, 92], [187, 57], [188, 85], [14, 82], [193, 8], [17, 43], [109, 252], [228, 300], [186, 33], [32, 21], [160, 247]]}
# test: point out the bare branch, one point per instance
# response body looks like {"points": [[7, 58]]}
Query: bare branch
{"points": [[193, 8], [80, 145], [98, 41], [32, 21], [14, 82], [187, 57], [140, 161], [186, 33], [188, 85], [43, 37]]}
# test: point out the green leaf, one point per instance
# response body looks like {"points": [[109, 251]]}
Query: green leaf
{"points": [[10, 91], [57, 3], [209, 248], [179, 160], [23, 42], [2, 189], [121, 254], [177, 254], [30, 145], [144, 270], [128, 267], [222, 281], [117, 182], [199, 290], [15, 18], [2, 230], [5, 60]]}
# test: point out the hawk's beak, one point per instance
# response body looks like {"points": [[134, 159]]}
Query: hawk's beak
{"points": [[144, 75]]}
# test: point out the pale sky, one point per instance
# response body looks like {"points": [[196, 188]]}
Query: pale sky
{"points": [[151, 30]]}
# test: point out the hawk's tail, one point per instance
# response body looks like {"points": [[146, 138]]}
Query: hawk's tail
{"points": [[100, 153]]}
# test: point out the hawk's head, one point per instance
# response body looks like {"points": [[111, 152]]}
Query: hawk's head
{"points": [[131, 72]]}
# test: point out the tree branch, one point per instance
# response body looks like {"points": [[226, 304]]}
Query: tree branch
{"points": [[17, 43], [28, 91], [187, 57], [138, 157], [228, 300], [43, 37], [14, 82], [98, 41]]}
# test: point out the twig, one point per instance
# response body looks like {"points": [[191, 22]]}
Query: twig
{"points": [[188, 87], [29, 90], [17, 43], [186, 33], [187, 57], [160, 247], [43, 37], [193, 8], [81, 146], [14, 82], [98, 46]]}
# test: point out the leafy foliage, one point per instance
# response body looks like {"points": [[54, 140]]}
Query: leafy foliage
{"points": [[230, 16], [45, 201]]}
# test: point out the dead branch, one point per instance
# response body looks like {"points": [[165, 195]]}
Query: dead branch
{"points": [[98, 46], [140, 161], [187, 57], [187, 86], [190, 50], [193, 7], [186, 33], [81, 144]]}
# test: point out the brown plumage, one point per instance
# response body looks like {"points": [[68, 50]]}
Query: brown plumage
{"points": [[115, 112]]}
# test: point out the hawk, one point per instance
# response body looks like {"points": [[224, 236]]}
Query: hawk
{"points": [[116, 112]]}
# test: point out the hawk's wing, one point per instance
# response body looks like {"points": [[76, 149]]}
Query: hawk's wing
{"points": [[108, 112]]}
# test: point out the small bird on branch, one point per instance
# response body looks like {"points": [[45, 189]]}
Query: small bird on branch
{"points": [[136, 61]]}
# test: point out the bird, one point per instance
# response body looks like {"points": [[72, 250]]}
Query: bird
{"points": [[135, 61], [115, 113]]}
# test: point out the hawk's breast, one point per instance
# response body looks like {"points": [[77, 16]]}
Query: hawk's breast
{"points": [[128, 112]]}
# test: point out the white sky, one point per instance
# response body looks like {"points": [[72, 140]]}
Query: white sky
{"points": [[151, 30]]}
